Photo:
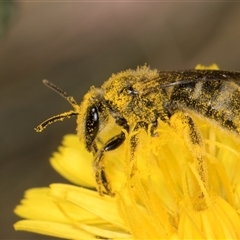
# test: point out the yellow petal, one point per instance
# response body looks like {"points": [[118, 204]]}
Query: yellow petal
{"points": [[212, 67], [60, 230], [218, 221], [107, 231], [74, 162], [38, 201], [104, 207]]}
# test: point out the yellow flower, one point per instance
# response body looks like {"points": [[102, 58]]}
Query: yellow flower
{"points": [[170, 189]]}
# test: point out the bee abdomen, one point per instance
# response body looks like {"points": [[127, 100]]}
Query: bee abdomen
{"points": [[216, 100]]}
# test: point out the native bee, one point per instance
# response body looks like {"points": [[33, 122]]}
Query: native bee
{"points": [[138, 98]]}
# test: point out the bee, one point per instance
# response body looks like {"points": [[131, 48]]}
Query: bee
{"points": [[138, 98]]}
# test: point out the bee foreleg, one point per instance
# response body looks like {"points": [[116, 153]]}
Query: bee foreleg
{"points": [[122, 122], [98, 164], [99, 171]]}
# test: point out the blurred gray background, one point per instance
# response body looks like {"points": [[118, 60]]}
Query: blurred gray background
{"points": [[76, 45]]}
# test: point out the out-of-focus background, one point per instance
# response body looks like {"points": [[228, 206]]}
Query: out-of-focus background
{"points": [[79, 44]]}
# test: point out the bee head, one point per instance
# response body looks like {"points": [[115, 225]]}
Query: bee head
{"points": [[91, 118], [91, 115]]}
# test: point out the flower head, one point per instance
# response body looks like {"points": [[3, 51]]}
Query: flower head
{"points": [[170, 188]]}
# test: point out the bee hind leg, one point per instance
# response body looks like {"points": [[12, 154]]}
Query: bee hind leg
{"points": [[98, 164], [185, 125]]}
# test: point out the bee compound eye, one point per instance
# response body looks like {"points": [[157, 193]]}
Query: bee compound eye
{"points": [[92, 123]]}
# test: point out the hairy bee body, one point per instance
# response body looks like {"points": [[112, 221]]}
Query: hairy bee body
{"points": [[147, 95], [217, 100], [137, 98]]}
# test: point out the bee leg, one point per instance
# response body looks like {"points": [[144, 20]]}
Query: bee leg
{"points": [[122, 122], [98, 165], [183, 123], [133, 145]]}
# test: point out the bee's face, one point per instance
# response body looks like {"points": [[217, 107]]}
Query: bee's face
{"points": [[91, 116], [95, 122]]}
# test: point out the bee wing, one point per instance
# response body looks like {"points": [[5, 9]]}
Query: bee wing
{"points": [[172, 78]]}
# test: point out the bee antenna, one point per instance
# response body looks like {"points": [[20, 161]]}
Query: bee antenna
{"points": [[53, 119], [58, 90], [62, 116]]}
